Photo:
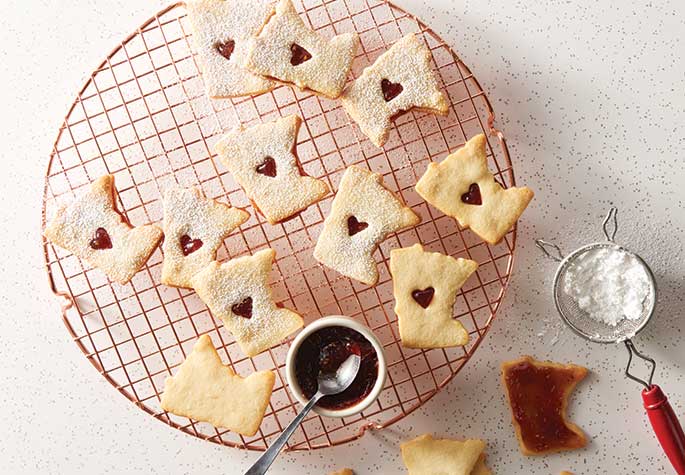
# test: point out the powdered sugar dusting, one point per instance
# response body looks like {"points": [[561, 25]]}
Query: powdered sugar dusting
{"points": [[187, 212], [215, 21], [75, 225], [362, 195], [288, 192], [221, 286], [407, 63], [326, 71], [610, 285]]}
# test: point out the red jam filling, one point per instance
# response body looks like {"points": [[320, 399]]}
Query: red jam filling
{"points": [[298, 54], [537, 395], [189, 245], [325, 350], [267, 167], [225, 48], [101, 240], [244, 308], [423, 297], [472, 197], [390, 89], [354, 225]]}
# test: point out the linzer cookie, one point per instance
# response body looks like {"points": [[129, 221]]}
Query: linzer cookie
{"points": [[238, 293], [399, 80], [363, 213], [194, 228], [262, 159], [461, 186], [425, 286], [92, 228], [206, 390], [289, 51], [428, 456], [221, 30]]}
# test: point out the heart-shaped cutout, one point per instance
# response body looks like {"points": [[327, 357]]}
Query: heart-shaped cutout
{"points": [[390, 89], [298, 54], [189, 245], [267, 167], [354, 225], [472, 197], [101, 240], [244, 308], [423, 297], [225, 48]]}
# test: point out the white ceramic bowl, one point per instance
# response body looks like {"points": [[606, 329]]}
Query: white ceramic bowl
{"points": [[336, 321]]}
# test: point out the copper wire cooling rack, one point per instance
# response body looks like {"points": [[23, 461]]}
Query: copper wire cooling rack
{"points": [[143, 116]]}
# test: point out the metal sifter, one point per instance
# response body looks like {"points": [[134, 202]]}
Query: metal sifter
{"points": [[664, 421]]}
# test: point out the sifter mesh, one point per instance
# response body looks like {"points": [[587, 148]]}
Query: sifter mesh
{"points": [[580, 321]]}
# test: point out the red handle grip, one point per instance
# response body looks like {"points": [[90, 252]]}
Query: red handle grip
{"points": [[666, 426]]}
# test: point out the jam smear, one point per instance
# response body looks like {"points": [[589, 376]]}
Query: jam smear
{"points": [[189, 245], [101, 240], [472, 197], [324, 350], [225, 48], [537, 395], [354, 225], [423, 297], [298, 54], [267, 167], [244, 308], [390, 89]]}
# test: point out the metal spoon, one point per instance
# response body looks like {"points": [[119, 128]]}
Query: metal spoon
{"points": [[329, 384]]}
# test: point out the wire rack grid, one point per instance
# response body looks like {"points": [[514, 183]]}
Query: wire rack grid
{"points": [[143, 116]]}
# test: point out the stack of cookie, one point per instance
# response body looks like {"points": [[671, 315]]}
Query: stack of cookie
{"points": [[246, 47]]}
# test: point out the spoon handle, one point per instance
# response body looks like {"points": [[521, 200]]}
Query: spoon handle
{"points": [[264, 462]]}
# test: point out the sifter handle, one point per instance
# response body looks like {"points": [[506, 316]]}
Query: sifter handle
{"points": [[666, 426]]}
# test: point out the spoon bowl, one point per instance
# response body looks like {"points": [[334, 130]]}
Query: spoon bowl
{"points": [[338, 381]]}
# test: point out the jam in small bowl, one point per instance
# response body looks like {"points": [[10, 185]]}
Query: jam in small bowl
{"points": [[323, 346]]}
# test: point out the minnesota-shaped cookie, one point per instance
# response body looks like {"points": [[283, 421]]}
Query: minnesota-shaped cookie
{"points": [[363, 213], [92, 229], [262, 159], [538, 394], [461, 186], [290, 52], [425, 286], [238, 293], [194, 228], [205, 390], [221, 32], [399, 80], [428, 456]]}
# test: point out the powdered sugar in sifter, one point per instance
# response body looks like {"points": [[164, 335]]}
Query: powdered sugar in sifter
{"points": [[579, 313]]}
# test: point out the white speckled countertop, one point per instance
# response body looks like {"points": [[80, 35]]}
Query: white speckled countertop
{"points": [[591, 100]]}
